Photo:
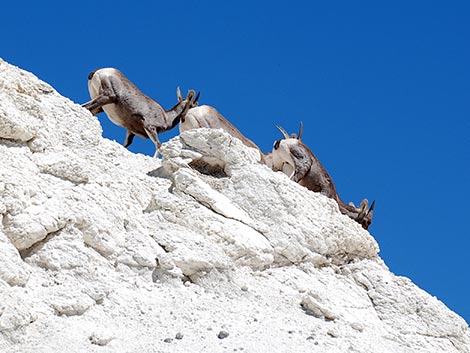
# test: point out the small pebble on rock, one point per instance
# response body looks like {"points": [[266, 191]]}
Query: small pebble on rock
{"points": [[222, 334]]}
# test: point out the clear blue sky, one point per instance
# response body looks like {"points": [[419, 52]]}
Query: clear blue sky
{"points": [[382, 89]]}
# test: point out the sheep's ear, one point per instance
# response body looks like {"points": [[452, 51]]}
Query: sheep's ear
{"points": [[190, 96], [362, 209]]}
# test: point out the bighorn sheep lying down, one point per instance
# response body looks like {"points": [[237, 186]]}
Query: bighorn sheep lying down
{"points": [[291, 156], [208, 117], [128, 107]]}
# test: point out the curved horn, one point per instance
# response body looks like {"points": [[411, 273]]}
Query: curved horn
{"points": [[371, 209], [196, 100], [300, 131], [178, 94], [283, 132]]}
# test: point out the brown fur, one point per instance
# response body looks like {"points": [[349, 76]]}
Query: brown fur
{"points": [[309, 172], [128, 107], [208, 117]]}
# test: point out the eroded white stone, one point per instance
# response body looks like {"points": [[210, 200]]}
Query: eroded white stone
{"points": [[12, 270], [120, 251]]}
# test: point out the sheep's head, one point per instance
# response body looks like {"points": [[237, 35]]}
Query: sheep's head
{"points": [[192, 98], [364, 218], [281, 158], [189, 102], [362, 214], [287, 136]]}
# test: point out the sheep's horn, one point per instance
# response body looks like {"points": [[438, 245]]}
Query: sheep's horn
{"points": [[300, 131], [178, 94], [283, 132], [197, 97], [371, 209]]}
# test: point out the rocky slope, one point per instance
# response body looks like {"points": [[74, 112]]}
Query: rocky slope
{"points": [[205, 250]]}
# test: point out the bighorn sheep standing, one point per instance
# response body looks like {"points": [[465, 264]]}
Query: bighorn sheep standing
{"points": [[208, 117], [128, 107], [295, 159]]}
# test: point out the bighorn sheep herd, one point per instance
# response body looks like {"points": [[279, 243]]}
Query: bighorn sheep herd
{"points": [[140, 115]]}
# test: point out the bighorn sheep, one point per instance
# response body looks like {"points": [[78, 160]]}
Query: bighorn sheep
{"points": [[291, 156], [208, 117], [127, 106]]}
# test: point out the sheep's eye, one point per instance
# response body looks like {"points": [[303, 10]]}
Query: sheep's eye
{"points": [[276, 144]]}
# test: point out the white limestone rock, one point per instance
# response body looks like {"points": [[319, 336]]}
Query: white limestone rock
{"points": [[298, 225], [102, 250], [15, 312], [70, 304], [12, 270], [101, 337]]}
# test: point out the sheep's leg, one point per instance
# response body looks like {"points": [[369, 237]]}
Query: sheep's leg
{"points": [[151, 131], [129, 138], [95, 105], [96, 111], [106, 96]]}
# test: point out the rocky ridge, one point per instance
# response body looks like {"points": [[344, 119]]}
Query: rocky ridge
{"points": [[205, 250]]}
